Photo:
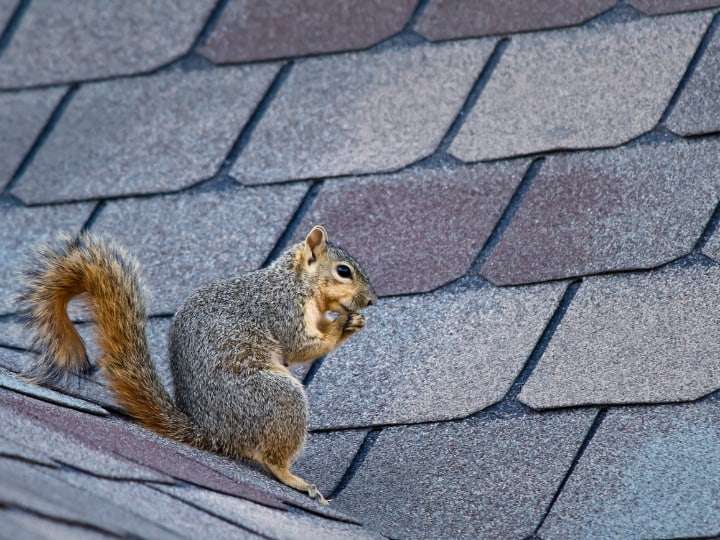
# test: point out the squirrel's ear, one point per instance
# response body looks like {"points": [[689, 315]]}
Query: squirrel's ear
{"points": [[316, 242]]}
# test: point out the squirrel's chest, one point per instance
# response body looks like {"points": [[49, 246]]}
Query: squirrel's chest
{"points": [[313, 318]]}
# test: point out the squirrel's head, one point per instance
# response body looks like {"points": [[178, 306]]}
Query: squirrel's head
{"points": [[334, 273]]}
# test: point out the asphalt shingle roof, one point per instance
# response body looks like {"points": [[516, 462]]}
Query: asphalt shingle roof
{"points": [[532, 187]]}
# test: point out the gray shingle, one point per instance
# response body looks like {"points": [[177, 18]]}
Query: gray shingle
{"points": [[434, 219], [12, 448], [90, 390], [327, 456], [22, 118], [697, 110], [361, 112], [157, 334], [581, 88], [249, 31], [654, 7], [39, 489], [636, 338], [7, 8], [712, 247], [253, 474], [185, 240], [626, 208], [21, 229], [490, 478], [463, 348], [19, 524], [448, 19], [11, 381], [68, 40], [29, 431], [648, 473], [153, 505], [267, 521], [144, 135], [14, 334]]}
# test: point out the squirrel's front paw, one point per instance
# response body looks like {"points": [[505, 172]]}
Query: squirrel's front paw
{"points": [[355, 322]]}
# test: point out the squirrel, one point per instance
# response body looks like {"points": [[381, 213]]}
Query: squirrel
{"points": [[231, 342]]}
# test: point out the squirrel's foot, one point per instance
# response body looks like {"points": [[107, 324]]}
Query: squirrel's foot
{"points": [[355, 322], [315, 494]]}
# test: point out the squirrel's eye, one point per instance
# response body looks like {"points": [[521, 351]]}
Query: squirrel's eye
{"points": [[343, 271]]}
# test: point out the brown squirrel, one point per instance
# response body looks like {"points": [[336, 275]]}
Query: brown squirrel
{"points": [[230, 343]]}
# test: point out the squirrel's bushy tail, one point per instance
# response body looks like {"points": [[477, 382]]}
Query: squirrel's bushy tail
{"points": [[108, 278]]}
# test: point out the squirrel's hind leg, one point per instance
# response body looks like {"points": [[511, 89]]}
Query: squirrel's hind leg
{"points": [[282, 473]]}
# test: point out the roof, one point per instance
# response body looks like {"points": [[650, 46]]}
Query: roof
{"points": [[531, 186]]}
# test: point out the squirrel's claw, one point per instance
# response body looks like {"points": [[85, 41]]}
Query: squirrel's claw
{"points": [[355, 322], [315, 494]]}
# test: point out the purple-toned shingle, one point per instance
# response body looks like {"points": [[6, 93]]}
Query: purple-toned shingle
{"points": [[591, 212], [69, 40], [418, 229], [250, 31], [133, 443], [448, 19], [588, 87]]}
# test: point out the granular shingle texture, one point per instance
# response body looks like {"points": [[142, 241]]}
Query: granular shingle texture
{"points": [[647, 473], [21, 229], [21, 524], [145, 135], [712, 247], [463, 348], [448, 19], [131, 443], [39, 489], [361, 112], [67, 40], [415, 230], [183, 241], [634, 207], [473, 479], [21, 426], [267, 521], [280, 28], [698, 110], [7, 8], [656, 7], [87, 388], [326, 457], [638, 338], [22, 118], [250, 473], [581, 88], [11, 381], [150, 503]]}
